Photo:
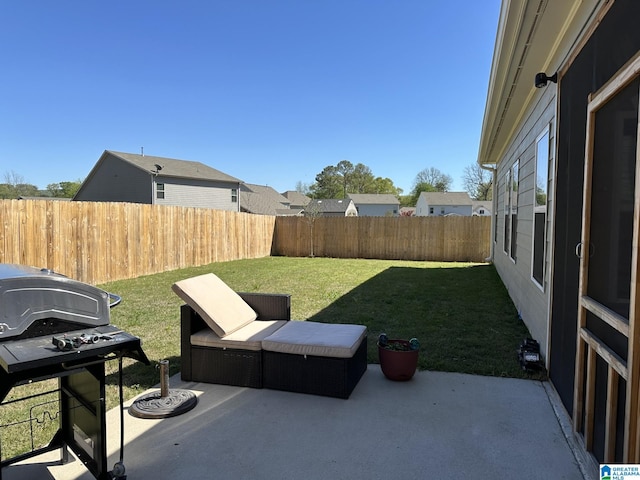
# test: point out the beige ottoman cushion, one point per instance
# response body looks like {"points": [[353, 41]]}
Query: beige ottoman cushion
{"points": [[316, 339], [218, 305], [248, 337]]}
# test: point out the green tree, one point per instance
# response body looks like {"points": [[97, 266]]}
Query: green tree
{"points": [[345, 178], [385, 185], [328, 184], [64, 189]]}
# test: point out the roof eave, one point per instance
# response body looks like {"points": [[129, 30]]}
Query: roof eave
{"points": [[533, 36]]}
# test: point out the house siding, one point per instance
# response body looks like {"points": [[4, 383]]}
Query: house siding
{"points": [[377, 210], [197, 193], [117, 181], [423, 209], [530, 299]]}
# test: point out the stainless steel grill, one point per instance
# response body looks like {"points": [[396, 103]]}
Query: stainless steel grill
{"points": [[52, 326]]}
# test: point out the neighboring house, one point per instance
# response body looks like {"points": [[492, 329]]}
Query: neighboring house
{"points": [[333, 207], [297, 200], [375, 205], [128, 177], [443, 204], [566, 203], [481, 207], [263, 200]]}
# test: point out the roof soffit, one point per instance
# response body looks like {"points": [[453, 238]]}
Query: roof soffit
{"points": [[533, 36]]}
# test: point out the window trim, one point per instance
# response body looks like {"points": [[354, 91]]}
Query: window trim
{"points": [[541, 284], [514, 200], [506, 227]]}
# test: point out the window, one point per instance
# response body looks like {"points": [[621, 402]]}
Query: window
{"points": [[507, 211], [430, 210], [515, 180], [234, 195], [496, 189], [540, 207], [159, 190]]}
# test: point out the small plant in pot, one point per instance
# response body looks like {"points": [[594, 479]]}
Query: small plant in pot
{"points": [[398, 358]]}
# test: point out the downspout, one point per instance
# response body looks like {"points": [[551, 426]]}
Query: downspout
{"points": [[494, 206]]}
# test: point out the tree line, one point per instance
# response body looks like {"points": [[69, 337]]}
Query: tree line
{"points": [[338, 181], [334, 181], [15, 186]]}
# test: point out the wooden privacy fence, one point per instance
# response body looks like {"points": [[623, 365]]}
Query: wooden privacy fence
{"points": [[458, 239], [97, 242]]}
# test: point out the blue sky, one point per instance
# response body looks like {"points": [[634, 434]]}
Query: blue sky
{"points": [[268, 91]]}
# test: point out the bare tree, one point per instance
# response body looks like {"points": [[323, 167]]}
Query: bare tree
{"points": [[477, 182], [15, 186], [312, 212], [434, 178]]}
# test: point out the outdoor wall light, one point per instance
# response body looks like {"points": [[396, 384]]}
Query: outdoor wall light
{"points": [[542, 79]]}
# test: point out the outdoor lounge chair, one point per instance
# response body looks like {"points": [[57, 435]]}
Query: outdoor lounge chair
{"points": [[248, 340]]}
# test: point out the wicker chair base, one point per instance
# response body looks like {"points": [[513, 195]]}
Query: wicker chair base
{"points": [[241, 368], [329, 376]]}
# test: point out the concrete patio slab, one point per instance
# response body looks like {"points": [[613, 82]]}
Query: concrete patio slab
{"points": [[438, 425]]}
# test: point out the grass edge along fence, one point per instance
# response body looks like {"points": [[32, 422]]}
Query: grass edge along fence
{"points": [[99, 242]]}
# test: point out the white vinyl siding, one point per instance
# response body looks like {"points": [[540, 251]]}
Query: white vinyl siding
{"points": [[530, 300]]}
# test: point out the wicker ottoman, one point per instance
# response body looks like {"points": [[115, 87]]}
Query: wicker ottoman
{"points": [[316, 358]]}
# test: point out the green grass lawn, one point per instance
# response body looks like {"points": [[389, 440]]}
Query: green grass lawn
{"points": [[460, 312]]}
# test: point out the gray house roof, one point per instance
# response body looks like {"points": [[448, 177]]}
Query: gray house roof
{"points": [[267, 191], [171, 167], [296, 199], [374, 199], [259, 204], [330, 205], [262, 200], [446, 198]]}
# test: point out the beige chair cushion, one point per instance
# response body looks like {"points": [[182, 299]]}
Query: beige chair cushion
{"points": [[248, 337], [317, 339], [218, 305]]}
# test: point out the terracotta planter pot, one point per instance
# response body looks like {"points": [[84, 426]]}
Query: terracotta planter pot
{"points": [[398, 365]]}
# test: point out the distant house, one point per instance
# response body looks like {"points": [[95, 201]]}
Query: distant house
{"points": [[481, 208], [263, 200], [443, 204], [333, 207], [375, 205], [297, 200], [127, 177]]}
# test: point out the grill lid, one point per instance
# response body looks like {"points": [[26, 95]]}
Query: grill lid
{"points": [[29, 295]]}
